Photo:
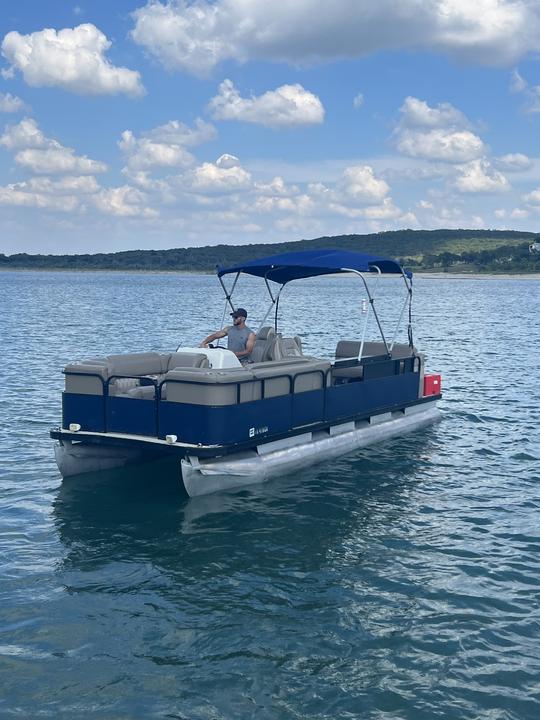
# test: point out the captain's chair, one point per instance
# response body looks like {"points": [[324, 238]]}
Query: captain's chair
{"points": [[265, 341], [290, 347]]}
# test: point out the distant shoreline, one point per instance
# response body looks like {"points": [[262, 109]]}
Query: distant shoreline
{"points": [[109, 270], [426, 275], [477, 276]]}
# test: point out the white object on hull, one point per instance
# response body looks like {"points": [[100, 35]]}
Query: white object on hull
{"points": [[202, 477]]}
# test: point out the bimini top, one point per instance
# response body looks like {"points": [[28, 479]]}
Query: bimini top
{"points": [[294, 265]]}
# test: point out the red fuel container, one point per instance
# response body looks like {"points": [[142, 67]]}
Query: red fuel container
{"points": [[432, 385]]}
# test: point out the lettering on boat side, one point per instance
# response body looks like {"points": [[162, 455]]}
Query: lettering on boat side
{"points": [[258, 431]]}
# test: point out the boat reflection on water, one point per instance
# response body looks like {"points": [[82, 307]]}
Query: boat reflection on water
{"points": [[142, 515]]}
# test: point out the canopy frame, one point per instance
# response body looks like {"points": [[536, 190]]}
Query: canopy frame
{"points": [[318, 271]]}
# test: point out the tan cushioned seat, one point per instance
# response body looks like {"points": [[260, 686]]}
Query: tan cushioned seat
{"points": [[219, 387], [265, 341], [198, 383], [351, 348], [401, 350], [85, 378], [80, 377], [284, 362], [307, 374], [148, 363], [199, 386], [290, 347], [142, 392], [185, 359]]}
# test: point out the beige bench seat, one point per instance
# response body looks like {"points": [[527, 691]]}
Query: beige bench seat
{"points": [[200, 386], [125, 372]]}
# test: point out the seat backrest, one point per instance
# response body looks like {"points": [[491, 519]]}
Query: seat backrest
{"points": [[351, 348], [186, 359], [299, 374], [265, 340], [290, 347], [148, 363], [347, 349]]}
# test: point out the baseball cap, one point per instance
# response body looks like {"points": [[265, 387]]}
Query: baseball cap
{"points": [[239, 312]]}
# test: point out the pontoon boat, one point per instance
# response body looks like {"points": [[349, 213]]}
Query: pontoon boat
{"points": [[228, 424]]}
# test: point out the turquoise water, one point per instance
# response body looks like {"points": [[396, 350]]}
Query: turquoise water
{"points": [[402, 582]]}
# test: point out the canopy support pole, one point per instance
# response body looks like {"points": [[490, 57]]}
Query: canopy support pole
{"points": [[409, 325], [372, 305], [408, 300], [274, 303], [228, 301]]}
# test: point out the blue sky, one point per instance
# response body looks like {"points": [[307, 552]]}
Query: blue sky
{"points": [[166, 124]]}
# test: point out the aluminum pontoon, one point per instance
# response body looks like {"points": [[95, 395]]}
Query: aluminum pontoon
{"points": [[228, 424]]}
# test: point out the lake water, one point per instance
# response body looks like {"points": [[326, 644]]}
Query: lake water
{"points": [[401, 582]]}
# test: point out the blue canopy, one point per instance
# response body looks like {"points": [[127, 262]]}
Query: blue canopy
{"points": [[308, 263]]}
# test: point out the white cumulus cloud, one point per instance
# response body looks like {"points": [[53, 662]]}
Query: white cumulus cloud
{"points": [[479, 177], [57, 160], [297, 204], [532, 198], [436, 133], [513, 162], [384, 211], [417, 113], [197, 36], [10, 103], [72, 59], [44, 155], [65, 194], [164, 146], [143, 153], [223, 176], [360, 184], [80, 185], [519, 214], [124, 201], [286, 106], [227, 161], [455, 146], [24, 195], [358, 194], [276, 186], [25, 134], [177, 133]]}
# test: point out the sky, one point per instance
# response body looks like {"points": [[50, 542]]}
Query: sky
{"points": [[132, 125]]}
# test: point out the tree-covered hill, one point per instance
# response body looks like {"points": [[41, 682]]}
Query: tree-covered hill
{"points": [[420, 250]]}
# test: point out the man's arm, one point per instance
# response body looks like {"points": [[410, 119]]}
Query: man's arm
{"points": [[249, 347], [214, 336]]}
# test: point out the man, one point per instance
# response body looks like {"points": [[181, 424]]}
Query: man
{"points": [[240, 338]]}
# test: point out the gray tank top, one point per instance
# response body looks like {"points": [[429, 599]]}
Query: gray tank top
{"points": [[237, 339]]}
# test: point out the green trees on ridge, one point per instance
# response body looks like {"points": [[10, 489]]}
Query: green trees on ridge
{"points": [[418, 250]]}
